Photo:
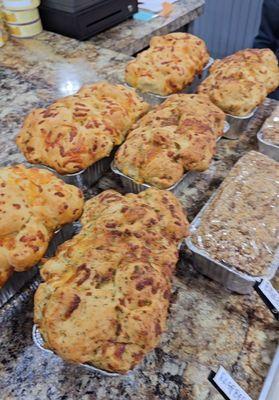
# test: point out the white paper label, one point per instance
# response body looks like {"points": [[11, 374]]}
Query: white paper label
{"points": [[270, 293], [19, 3], [231, 389]]}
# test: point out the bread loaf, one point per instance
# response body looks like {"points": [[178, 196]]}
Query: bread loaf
{"points": [[177, 136], [170, 63], [240, 82], [33, 204], [76, 131], [106, 293], [240, 226]]}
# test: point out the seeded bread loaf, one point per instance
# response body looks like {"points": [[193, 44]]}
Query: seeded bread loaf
{"points": [[170, 63], [177, 136], [241, 224], [76, 131], [106, 292], [240, 82], [33, 204]]}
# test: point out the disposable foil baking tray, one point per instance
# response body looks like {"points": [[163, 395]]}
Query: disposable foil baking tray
{"points": [[191, 88], [39, 342], [228, 276], [19, 279], [87, 177], [267, 148], [130, 185], [270, 390], [237, 125]]}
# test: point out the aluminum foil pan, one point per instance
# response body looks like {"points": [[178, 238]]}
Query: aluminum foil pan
{"points": [[130, 185], [39, 342], [84, 179], [154, 98], [237, 125], [267, 148], [229, 277], [20, 279], [270, 388]]}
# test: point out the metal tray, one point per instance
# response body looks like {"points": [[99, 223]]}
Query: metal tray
{"points": [[267, 148], [130, 185], [191, 88], [39, 342], [19, 279], [270, 388], [229, 277], [237, 125], [84, 179]]}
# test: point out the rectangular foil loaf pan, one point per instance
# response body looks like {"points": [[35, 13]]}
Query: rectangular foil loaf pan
{"points": [[154, 98], [20, 279], [228, 276], [87, 177], [39, 342], [267, 148], [131, 186], [237, 125]]}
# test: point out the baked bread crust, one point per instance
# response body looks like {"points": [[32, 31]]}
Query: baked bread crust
{"points": [[34, 203], [177, 136], [106, 292], [76, 131], [171, 63], [240, 82]]}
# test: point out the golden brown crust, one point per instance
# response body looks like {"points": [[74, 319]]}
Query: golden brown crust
{"points": [[170, 63], [240, 82], [177, 136], [76, 131], [33, 203], [106, 292]]}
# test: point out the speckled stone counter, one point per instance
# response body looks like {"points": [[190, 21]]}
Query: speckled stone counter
{"points": [[207, 325], [132, 36]]}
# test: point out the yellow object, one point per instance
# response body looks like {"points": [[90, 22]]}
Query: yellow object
{"points": [[3, 30], [21, 17], [21, 4], [27, 30]]}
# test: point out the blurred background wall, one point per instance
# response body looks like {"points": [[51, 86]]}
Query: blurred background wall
{"points": [[228, 25]]}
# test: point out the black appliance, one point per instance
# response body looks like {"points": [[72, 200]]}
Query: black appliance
{"points": [[82, 19]]}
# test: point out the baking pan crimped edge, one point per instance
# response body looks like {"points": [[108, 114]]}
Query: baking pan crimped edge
{"points": [[270, 380], [130, 185], [39, 342], [87, 177], [16, 282], [237, 125], [267, 148], [232, 279], [189, 89]]}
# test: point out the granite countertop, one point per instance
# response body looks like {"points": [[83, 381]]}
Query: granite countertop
{"points": [[207, 325], [132, 36]]}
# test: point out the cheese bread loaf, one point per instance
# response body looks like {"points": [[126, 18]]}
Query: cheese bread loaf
{"points": [[106, 293], [177, 136], [240, 82], [76, 131], [171, 63], [33, 204]]}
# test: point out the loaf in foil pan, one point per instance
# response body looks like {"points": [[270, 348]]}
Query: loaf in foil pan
{"points": [[19, 279], [87, 177], [233, 239]]}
